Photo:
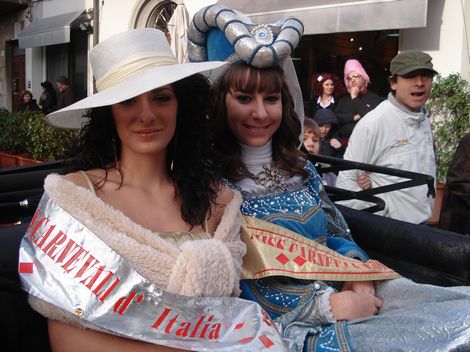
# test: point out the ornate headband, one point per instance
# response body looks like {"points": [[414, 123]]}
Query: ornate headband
{"points": [[220, 33]]}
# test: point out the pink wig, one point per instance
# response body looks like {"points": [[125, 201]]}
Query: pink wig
{"points": [[354, 65]]}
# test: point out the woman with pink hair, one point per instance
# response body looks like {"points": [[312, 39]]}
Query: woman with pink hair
{"points": [[327, 88]]}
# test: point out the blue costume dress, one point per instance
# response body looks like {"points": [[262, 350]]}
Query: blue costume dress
{"points": [[413, 317]]}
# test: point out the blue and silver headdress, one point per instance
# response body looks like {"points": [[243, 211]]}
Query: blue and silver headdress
{"points": [[218, 33]]}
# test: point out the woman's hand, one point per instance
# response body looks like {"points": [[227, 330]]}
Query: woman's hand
{"points": [[335, 143], [349, 305], [364, 181]]}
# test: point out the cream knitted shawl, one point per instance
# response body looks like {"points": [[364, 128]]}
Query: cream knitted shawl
{"points": [[205, 267]]}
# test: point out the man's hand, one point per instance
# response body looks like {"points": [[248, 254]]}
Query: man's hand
{"points": [[364, 181], [354, 92]]}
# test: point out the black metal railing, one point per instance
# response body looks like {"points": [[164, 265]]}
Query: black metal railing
{"points": [[412, 179], [21, 187]]}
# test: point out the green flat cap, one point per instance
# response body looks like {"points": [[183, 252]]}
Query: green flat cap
{"points": [[409, 61]]}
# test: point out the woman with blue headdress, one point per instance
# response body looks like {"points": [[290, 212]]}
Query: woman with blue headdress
{"points": [[302, 265]]}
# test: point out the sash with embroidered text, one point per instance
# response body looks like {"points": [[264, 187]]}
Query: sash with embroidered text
{"points": [[64, 263], [275, 250]]}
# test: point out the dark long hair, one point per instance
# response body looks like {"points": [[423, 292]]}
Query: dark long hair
{"points": [[226, 148], [98, 146]]}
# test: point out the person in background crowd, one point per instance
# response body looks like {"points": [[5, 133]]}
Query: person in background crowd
{"points": [[327, 88], [397, 134], [48, 98], [355, 105], [330, 144], [66, 96], [311, 145], [311, 141], [27, 103], [455, 213]]}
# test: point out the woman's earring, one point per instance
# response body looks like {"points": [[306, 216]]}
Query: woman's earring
{"points": [[172, 163]]}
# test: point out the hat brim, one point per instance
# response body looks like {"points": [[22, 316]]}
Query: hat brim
{"points": [[410, 69], [72, 116]]}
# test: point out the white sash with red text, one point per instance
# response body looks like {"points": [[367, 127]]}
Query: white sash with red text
{"points": [[65, 264]]}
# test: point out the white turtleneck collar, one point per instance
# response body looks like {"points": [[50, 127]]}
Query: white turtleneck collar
{"points": [[256, 156], [254, 159]]}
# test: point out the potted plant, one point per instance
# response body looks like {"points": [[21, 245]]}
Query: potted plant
{"points": [[26, 139], [449, 111]]}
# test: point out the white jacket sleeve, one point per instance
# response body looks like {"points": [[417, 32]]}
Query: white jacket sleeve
{"points": [[360, 149]]}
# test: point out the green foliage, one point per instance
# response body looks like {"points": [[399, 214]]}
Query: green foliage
{"points": [[449, 110], [29, 135]]}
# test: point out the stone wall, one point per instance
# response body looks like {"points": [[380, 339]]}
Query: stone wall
{"points": [[11, 23]]}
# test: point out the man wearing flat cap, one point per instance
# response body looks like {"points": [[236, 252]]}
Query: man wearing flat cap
{"points": [[397, 134]]}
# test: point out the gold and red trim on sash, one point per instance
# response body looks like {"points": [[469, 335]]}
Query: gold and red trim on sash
{"points": [[274, 250]]}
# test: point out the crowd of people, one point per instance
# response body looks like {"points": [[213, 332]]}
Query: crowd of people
{"points": [[50, 99], [394, 133], [349, 104], [336, 108], [397, 134], [201, 192]]}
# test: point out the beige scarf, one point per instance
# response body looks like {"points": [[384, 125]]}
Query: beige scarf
{"points": [[207, 267]]}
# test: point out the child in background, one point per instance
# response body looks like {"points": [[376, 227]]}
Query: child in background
{"points": [[311, 136], [312, 133], [330, 144]]}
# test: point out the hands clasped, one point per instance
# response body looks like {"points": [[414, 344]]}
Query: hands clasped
{"points": [[356, 300]]}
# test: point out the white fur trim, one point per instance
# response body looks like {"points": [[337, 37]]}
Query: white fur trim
{"points": [[209, 268]]}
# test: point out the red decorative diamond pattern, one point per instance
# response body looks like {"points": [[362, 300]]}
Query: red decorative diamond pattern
{"points": [[25, 268], [266, 341], [281, 258], [299, 260]]}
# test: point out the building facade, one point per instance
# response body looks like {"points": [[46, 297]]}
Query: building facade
{"points": [[54, 37]]}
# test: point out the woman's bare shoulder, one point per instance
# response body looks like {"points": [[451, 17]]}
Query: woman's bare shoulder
{"points": [[83, 178]]}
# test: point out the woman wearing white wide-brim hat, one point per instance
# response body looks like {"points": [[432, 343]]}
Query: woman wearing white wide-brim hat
{"points": [[144, 189]]}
